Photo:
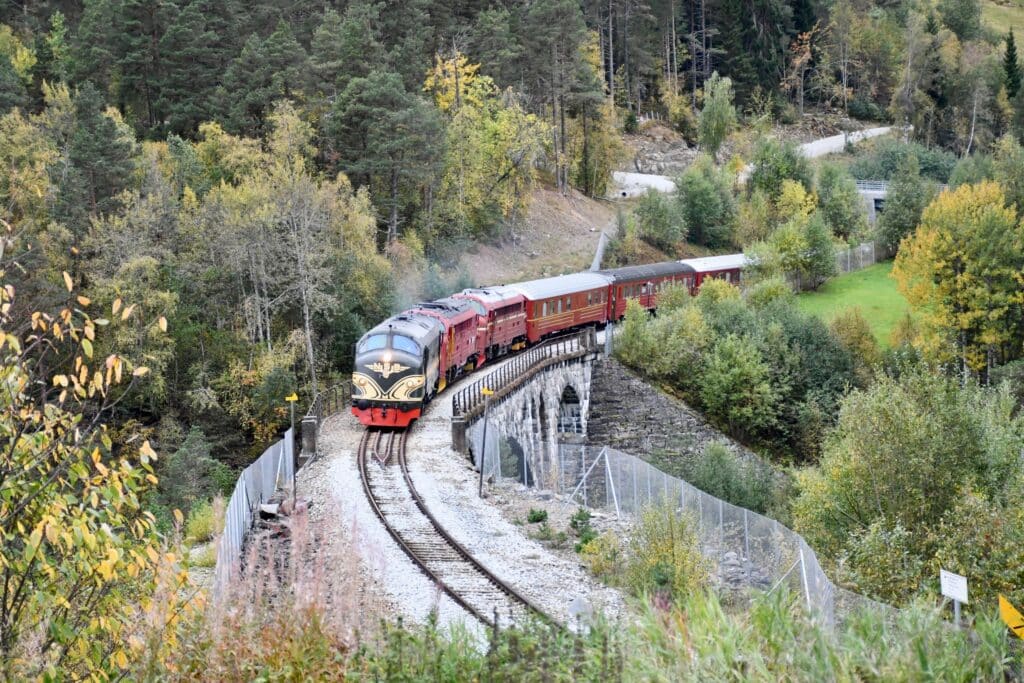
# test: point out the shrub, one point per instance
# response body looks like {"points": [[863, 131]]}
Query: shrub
{"points": [[908, 196], [535, 516], [883, 161], [206, 558], [603, 556], [724, 474], [736, 389], [664, 555], [775, 162], [705, 204], [580, 525], [656, 222], [204, 521]]}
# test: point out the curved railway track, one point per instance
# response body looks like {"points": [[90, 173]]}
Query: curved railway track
{"points": [[395, 501]]}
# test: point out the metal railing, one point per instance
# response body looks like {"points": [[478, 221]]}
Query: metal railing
{"points": [[271, 472], [469, 401], [326, 403], [873, 185]]}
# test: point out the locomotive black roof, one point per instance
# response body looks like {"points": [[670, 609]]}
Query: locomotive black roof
{"points": [[647, 271], [414, 325]]}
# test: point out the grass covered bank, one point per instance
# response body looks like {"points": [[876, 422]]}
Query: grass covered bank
{"points": [[871, 289]]}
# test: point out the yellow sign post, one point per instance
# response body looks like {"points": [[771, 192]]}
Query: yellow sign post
{"points": [[1012, 618], [291, 405]]}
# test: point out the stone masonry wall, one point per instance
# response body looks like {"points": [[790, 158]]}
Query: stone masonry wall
{"points": [[630, 415]]}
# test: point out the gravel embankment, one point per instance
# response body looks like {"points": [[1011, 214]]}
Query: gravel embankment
{"points": [[448, 485]]}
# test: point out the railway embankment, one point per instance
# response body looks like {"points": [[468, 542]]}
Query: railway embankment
{"points": [[629, 414]]}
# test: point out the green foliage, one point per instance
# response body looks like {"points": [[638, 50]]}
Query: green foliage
{"points": [[1008, 170], [190, 475], [887, 159], [1011, 66], [1012, 374], [909, 193], [663, 555], [657, 222], [736, 389], [201, 525], [725, 474], [839, 203], [718, 117], [775, 162], [854, 333], [963, 17], [537, 515], [895, 470], [580, 525], [603, 555], [706, 204], [971, 170]]}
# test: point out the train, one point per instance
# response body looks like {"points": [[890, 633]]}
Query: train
{"points": [[404, 362]]}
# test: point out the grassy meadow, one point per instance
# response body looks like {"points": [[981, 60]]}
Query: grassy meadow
{"points": [[871, 289], [1003, 15]]}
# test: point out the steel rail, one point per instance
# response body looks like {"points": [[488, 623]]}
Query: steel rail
{"points": [[460, 550]]}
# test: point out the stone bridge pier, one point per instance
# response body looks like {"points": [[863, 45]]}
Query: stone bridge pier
{"points": [[526, 426]]}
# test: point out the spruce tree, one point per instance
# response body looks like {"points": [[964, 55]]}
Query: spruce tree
{"points": [[1011, 67], [99, 151], [190, 71], [12, 88]]}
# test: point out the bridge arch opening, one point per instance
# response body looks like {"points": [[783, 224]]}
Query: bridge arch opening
{"points": [[570, 412]]}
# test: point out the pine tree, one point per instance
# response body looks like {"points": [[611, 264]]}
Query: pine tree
{"points": [[346, 47], [190, 71], [387, 137], [1011, 67], [100, 152], [12, 88]]}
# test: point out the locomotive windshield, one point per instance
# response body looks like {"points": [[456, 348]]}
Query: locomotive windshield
{"points": [[376, 341], [400, 343]]}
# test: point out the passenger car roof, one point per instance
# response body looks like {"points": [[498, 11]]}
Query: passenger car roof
{"points": [[647, 271], [561, 285], [711, 263]]}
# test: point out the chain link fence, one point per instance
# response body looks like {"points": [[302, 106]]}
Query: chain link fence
{"points": [[747, 550], [271, 472], [860, 256]]}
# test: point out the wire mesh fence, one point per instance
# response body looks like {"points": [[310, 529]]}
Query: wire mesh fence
{"points": [[747, 550], [860, 256], [271, 472]]}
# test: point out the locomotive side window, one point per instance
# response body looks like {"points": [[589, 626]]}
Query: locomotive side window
{"points": [[402, 343], [568, 303]]}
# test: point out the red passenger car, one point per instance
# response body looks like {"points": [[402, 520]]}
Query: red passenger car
{"points": [[728, 267], [556, 304], [643, 283], [502, 315]]}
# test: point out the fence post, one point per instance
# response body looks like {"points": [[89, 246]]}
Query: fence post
{"points": [[310, 424], [803, 574]]}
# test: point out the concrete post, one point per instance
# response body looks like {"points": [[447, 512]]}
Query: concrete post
{"points": [[459, 435], [309, 429]]}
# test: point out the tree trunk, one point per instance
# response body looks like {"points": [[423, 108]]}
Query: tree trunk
{"points": [[611, 52], [393, 216]]}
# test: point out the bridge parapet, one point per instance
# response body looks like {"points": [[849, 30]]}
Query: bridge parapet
{"points": [[468, 403]]}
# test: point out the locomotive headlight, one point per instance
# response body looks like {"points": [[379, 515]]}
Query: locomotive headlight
{"points": [[387, 356]]}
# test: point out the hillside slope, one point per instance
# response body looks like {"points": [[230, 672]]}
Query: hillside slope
{"points": [[560, 235]]}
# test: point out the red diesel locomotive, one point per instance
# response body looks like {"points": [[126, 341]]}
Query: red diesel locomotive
{"points": [[403, 362]]}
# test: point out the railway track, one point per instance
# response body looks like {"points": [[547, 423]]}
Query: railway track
{"points": [[395, 501]]}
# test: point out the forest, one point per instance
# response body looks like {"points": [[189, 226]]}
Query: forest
{"points": [[206, 203]]}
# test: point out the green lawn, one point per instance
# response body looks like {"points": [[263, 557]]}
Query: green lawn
{"points": [[871, 288], [1003, 15]]}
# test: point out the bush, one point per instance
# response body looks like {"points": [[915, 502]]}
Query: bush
{"points": [[664, 555], [631, 124], [736, 389], [580, 525], [535, 516], [657, 223], [603, 556], [883, 161], [775, 162], [206, 558], [866, 110], [705, 204], [724, 474], [204, 521]]}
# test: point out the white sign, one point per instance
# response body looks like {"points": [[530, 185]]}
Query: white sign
{"points": [[954, 586]]}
